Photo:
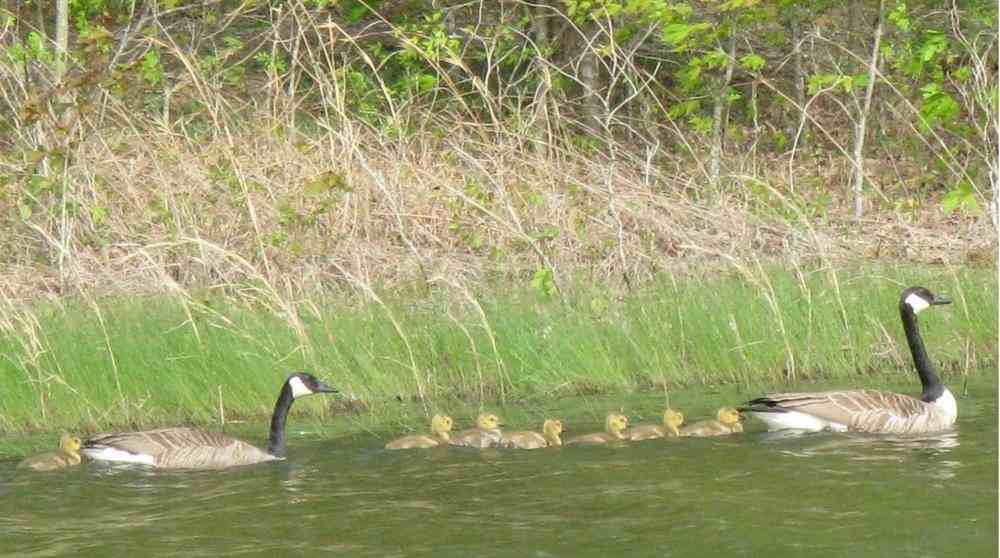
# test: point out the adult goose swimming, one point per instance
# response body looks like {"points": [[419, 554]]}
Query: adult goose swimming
{"points": [[193, 448], [868, 410]]}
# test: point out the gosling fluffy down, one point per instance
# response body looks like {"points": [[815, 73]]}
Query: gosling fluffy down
{"points": [[614, 426], [486, 434], [526, 439], [68, 455], [727, 422], [439, 436], [672, 420]]}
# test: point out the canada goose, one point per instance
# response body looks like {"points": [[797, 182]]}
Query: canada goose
{"points": [[68, 455], [671, 422], [614, 424], [526, 439], [486, 434], [727, 421], [866, 410], [192, 448], [440, 427]]}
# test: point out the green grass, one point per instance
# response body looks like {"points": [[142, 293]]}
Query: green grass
{"points": [[88, 364]]}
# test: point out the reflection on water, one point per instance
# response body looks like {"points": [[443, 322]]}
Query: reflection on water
{"points": [[741, 495]]}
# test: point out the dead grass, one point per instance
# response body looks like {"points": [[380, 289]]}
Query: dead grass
{"points": [[153, 210]]}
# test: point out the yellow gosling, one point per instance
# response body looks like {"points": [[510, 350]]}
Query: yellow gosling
{"points": [[527, 439], [68, 455], [486, 434], [614, 426], [672, 420], [439, 436], [727, 422]]}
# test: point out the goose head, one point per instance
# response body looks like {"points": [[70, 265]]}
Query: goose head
{"points": [[304, 383], [69, 443], [615, 423], [441, 425], [728, 416], [918, 299], [673, 419], [487, 421]]}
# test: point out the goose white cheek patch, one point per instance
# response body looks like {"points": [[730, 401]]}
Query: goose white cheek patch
{"points": [[917, 303], [298, 388]]}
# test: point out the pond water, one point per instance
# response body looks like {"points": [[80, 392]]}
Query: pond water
{"points": [[746, 495]]}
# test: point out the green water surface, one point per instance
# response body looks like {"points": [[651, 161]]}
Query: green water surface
{"points": [[746, 495]]}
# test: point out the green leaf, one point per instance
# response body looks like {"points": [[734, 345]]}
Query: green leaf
{"points": [[752, 62], [962, 197], [677, 33], [899, 18], [98, 214], [935, 44], [938, 106], [821, 81], [151, 70], [857, 82], [548, 233], [326, 182], [543, 281]]}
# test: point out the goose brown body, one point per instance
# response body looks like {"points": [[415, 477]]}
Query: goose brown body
{"points": [[871, 411], [193, 448]]}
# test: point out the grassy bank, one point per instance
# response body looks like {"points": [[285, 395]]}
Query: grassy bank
{"points": [[95, 363]]}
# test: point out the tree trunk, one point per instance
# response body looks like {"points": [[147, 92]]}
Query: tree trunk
{"points": [[860, 127], [589, 80], [718, 115], [798, 71], [62, 37]]}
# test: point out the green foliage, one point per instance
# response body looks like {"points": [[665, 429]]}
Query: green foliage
{"points": [[899, 17], [961, 197], [752, 62], [543, 282], [150, 69], [938, 106]]}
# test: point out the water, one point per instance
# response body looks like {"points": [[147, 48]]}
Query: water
{"points": [[750, 495]]}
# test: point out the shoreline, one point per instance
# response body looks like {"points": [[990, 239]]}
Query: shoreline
{"points": [[101, 364]]}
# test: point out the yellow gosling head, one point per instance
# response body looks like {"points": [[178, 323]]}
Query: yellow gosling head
{"points": [[615, 423], [441, 424], [672, 418], [729, 416], [488, 421], [552, 428], [69, 442]]}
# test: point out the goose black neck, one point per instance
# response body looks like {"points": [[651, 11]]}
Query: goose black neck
{"points": [[276, 441], [928, 377]]}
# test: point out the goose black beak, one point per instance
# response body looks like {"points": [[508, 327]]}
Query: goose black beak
{"points": [[940, 300], [323, 388]]}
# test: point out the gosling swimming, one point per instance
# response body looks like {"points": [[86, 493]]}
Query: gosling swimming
{"points": [[68, 455], [672, 420], [727, 422], [526, 439], [614, 425], [439, 436], [486, 434]]}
